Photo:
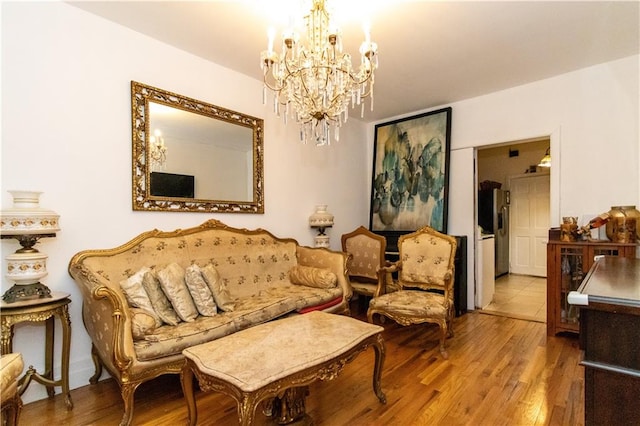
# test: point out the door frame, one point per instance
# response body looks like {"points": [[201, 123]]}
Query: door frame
{"points": [[554, 189]]}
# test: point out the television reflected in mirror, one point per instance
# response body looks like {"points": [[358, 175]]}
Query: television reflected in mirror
{"points": [[172, 185]]}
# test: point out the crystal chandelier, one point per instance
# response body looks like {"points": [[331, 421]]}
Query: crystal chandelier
{"points": [[158, 150], [316, 79]]}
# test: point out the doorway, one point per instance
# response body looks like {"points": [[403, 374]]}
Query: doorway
{"points": [[521, 292]]}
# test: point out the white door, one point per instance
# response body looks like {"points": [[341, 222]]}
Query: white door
{"points": [[529, 225]]}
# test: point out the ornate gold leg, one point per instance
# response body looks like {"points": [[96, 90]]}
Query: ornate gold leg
{"points": [[66, 349], [6, 336], [443, 337], [127, 392], [48, 354], [290, 407], [377, 370], [186, 380], [11, 411], [247, 409]]}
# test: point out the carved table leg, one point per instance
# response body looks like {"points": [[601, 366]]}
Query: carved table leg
{"points": [[48, 355], [186, 379], [291, 406], [65, 321], [377, 372]]}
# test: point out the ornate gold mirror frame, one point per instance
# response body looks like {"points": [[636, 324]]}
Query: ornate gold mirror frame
{"points": [[211, 161]]}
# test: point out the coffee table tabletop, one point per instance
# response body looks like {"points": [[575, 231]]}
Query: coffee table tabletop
{"points": [[260, 362]]}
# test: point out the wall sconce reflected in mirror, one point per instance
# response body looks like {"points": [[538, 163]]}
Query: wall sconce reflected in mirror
{"points": [[546, 160], [157, 149]]}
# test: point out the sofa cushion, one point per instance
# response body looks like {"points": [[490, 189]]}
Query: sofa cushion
{"points": [[142, 323], [171, 340], [136, 295], [159, 301], [200, 292], [174, 286], [302, 296], [312, 277], [218, 288]]}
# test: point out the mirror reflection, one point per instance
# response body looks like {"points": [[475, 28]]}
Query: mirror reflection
{"points": [[192, 156]]}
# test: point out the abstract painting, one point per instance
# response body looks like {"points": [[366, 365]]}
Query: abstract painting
{"points": [[411, 174]]}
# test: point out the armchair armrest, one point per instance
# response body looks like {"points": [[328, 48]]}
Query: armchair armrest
{"points": [[106, 318], [385, 277]]}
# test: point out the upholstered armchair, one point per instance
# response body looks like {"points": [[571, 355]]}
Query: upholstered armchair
{"points": [[11, 366], [366, 261], [425, 272]]}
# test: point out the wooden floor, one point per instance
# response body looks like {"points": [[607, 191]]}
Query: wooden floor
{"points": [[501, 371]]}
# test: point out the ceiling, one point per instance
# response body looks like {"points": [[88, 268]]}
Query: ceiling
{"points": [[430, 53]]}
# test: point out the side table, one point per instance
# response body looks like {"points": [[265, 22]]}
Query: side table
{"points": [[39, 310]]}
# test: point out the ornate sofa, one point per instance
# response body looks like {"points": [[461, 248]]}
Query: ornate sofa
{"points": [[11, 366], [252, 277]]}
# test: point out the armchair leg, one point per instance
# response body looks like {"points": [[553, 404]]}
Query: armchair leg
{"points": [[444, 332], [127, 392], [11, 410]]}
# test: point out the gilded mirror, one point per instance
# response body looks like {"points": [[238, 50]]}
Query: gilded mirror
{"points": [[191, 156]]}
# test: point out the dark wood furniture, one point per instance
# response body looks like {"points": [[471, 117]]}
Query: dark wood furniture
{"points": [[567, 265], [609, 301], [460, 283]]}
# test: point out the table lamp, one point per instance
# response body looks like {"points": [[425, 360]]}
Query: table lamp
{"points": [[321, 219], [27, 223]]}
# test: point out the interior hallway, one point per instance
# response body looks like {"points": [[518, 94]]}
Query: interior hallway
{"points": [[520, 296]]}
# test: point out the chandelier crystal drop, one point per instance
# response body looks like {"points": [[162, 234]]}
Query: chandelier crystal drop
{"points": [[314, 81]]}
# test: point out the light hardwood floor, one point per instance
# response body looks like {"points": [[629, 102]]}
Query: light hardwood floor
{"points": [[520, 296], [501, 371]]}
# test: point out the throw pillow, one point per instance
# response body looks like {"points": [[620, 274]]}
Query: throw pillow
{"points": [[142, 323], [135, 294], [312, 277], [174, 286], [218, 289], [159, 301], [200, 292]]}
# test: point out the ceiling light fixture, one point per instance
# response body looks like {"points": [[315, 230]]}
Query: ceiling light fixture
{"points": [[316, 78], [546, 160]]}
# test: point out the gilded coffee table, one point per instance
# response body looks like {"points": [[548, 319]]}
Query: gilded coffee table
{"points": [[276, 361]]}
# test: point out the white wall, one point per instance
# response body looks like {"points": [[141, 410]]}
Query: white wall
{"points": [[67, 131]]}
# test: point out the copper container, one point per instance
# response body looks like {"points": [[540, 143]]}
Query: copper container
{"points": [[624, 226]]}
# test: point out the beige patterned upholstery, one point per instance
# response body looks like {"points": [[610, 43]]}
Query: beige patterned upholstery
{"points": [[366, 261], [251, 266], [11, 366], [425, 278]]}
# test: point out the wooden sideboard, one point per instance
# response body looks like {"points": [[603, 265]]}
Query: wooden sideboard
{"points": [[567, 265], [609, 303]]}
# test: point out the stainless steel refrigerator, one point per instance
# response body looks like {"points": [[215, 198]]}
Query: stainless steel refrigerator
{"points": [[493, 217]]}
